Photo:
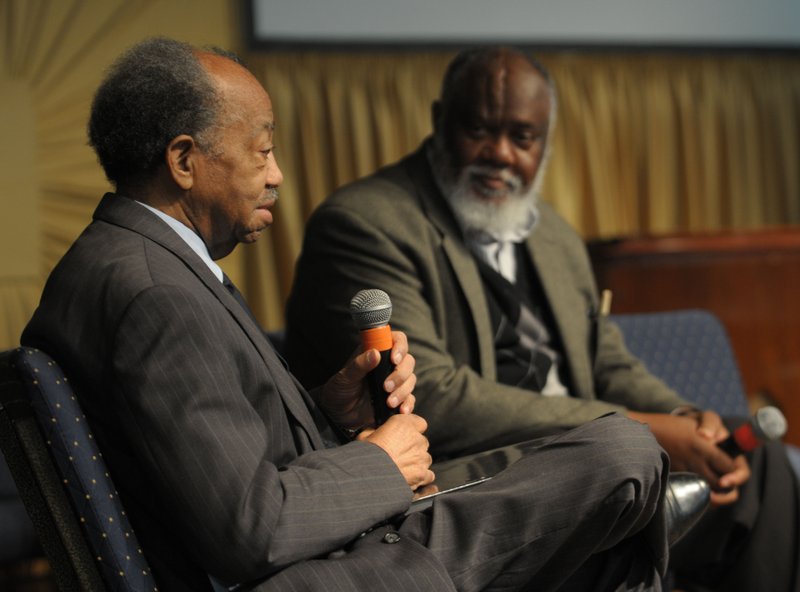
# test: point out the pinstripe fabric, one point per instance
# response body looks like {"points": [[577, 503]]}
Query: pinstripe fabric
{"points": [[533, 526], [184, 391], [552, 483], [210, 441]]}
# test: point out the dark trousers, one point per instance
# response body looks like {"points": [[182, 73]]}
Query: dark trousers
{"points": [[580, 511], [752, 544]]}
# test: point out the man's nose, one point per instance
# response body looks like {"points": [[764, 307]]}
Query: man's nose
{"points": [[275, 176], [498, 150]]}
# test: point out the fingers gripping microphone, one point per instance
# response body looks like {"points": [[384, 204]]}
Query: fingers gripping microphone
{"points": [[371, 311], [767, 424]]}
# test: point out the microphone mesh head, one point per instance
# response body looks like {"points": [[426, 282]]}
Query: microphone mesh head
{"points": [[370, 309], [769, 423]]}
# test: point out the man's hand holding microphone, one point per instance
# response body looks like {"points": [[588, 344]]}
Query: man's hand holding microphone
{"points": [[698, 441], [372, 398]]}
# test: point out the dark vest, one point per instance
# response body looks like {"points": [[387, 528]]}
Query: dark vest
{"points": [[526, 343]]}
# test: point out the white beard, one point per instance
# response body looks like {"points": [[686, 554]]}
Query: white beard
{"points": [[511, 219]]}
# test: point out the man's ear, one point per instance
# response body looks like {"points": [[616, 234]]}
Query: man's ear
{"points": [[180, 156]]}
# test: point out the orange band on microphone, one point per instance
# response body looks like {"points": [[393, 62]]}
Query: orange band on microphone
{"points": [[379, 338], [745, 438]]}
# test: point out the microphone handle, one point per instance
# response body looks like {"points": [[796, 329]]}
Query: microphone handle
{"points": [[730, 447], [375, 381]]}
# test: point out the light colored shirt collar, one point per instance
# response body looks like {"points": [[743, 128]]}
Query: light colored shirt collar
{"points": [[499, 255], [190, 237]]}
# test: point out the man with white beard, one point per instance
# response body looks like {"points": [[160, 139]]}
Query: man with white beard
{"points": [[496, 294]]}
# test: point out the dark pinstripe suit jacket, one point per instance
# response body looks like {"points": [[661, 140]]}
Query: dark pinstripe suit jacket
{"points": [[217, 452]]}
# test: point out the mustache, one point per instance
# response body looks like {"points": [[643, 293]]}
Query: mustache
{"points": [[512, 181], [272, 194]]}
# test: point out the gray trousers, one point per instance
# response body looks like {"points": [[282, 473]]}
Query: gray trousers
{"points": [[579, 511]]}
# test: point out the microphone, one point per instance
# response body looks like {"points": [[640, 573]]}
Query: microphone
{"points": [[371, 311], [767, 424]]}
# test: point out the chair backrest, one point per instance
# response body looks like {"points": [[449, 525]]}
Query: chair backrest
{"points": [[18, 541], [64, 481], [691, 352]]}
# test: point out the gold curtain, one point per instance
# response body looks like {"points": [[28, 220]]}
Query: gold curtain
{"points": [[650, 142], [646, 142], [51, 59], [658, 143], [338, 117]]}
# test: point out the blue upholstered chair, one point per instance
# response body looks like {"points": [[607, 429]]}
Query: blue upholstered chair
{"points": [[691, 352], [63, 479]]}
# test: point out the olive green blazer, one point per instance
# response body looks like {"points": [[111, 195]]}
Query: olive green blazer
{"points": [[394, 231]]}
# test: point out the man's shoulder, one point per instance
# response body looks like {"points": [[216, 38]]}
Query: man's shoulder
{"points": [[118, 260], [110, 245], [399, 183], [553, 226], [101, 273], [100, 246]]}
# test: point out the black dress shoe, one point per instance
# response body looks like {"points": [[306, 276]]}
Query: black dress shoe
{"points": [[687, 499]]}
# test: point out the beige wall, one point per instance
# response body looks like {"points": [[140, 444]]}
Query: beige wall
{"points": [[49, 67]]}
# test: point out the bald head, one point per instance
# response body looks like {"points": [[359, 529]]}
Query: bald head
{"points": [[473, 64], [234, 85]]}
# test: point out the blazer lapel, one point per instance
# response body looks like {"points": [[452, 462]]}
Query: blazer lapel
{"points": [[123, 212], [567, 306], [459, 256], [469, 279]]}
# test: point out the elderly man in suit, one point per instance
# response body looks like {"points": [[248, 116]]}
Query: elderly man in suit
{"points": [[496, 294], [230, 470]]}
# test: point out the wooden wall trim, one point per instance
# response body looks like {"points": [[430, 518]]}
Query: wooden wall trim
{"points": [[750, 280]]}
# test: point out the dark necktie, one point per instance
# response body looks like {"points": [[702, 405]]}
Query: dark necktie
{"points": [[226, 281]]}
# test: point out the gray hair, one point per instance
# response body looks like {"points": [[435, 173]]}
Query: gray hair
{"points": [[154, 92]]}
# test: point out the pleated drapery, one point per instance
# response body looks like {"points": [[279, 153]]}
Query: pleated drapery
{"points": [[646, 141]]}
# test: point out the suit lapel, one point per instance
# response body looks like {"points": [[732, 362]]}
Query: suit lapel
{"points": [[469, 279], [459, 256], [123, 212], [567, 305]]}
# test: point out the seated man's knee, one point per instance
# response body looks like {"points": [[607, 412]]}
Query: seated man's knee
{"points": [[631, 450]]}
